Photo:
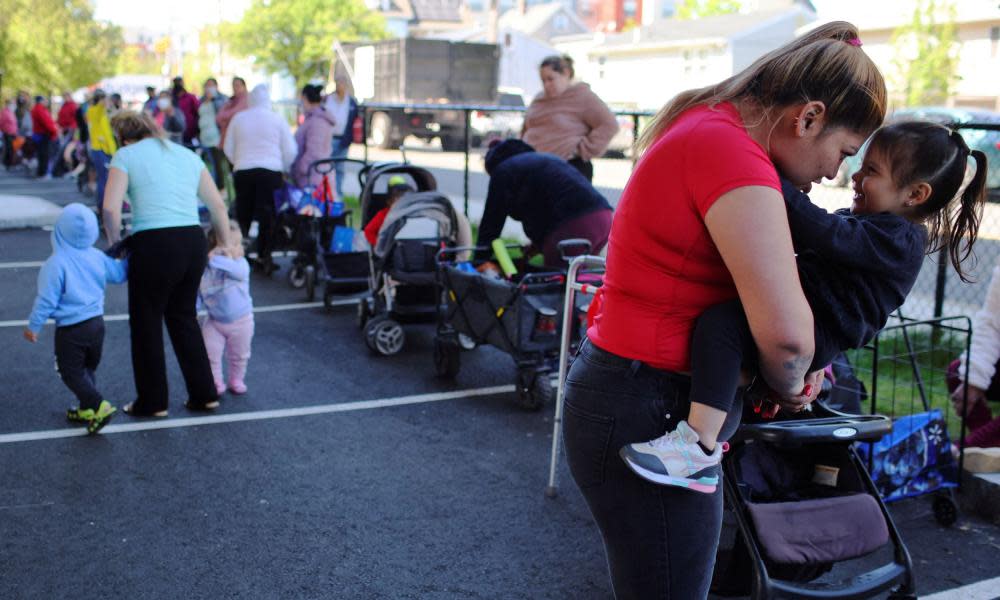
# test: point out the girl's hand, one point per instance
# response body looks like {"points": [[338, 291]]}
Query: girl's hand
{"points": [[30, 335], [236, 251], [976, 395]]}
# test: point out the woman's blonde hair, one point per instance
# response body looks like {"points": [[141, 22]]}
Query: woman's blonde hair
{"points": [[827, 64], [130, 126]]}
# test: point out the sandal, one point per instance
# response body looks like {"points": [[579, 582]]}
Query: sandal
{"points": [[206, 407], [129, 409]]}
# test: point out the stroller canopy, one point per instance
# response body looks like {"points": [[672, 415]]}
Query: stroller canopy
{"points": [[376, 177], [430, 205]]}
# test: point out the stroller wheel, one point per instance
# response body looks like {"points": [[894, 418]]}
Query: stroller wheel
{"points": [[310, 283], [384, 336], [296, 276], [945, 510], [534, 389], [447, 357]]}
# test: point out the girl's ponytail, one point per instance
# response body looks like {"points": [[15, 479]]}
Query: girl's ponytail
{"points": [[970, 210]]}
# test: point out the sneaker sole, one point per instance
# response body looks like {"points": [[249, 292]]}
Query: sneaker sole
{"points": [[703, 485], [95, 426]]}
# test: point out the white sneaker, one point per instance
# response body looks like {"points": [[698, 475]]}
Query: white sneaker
{"points": [[675, 459]]}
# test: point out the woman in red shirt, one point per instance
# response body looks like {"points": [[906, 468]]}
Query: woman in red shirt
{"points": [[702, 221]]}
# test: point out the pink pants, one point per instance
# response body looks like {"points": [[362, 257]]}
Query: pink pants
{"points": [[233, 341]]}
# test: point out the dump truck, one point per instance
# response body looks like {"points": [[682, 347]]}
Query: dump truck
{"points": [[421, 72]]}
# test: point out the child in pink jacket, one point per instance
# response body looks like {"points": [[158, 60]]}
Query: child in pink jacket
{"points": [[225, 294]]}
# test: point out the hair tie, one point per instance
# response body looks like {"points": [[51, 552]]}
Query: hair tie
{"points": [[856, 42]]}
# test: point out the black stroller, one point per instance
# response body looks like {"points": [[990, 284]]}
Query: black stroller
{"points": [[522, 317], [798, 502], [403, 279]]}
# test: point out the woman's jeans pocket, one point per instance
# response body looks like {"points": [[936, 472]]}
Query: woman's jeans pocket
{"points": [[588, 439]]}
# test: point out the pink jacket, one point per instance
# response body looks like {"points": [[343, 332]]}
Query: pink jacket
{"points": [[232, 106], [8, 122], [314, 138]]}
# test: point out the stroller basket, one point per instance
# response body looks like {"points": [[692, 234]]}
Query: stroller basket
{"points": [[348, 272], [506, 314]]}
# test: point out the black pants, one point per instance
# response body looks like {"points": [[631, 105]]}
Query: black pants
{"points": [[164, 272], [43, 153], [8, 150], [660, 540], [584, 166], [78, 352], [722, 343], [255, 201]]}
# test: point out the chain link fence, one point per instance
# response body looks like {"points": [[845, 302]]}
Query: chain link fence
{"points": [[937, 292]]}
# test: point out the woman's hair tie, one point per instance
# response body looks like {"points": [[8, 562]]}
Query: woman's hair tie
{"points": [[856, 42]]}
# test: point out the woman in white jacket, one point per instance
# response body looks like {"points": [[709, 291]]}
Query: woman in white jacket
{"points": [[982, 360], [260, 146]]}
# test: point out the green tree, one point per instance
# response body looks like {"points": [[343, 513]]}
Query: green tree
{"points": [[47, 46], [296, 36], [926, 48], [696, 9]]}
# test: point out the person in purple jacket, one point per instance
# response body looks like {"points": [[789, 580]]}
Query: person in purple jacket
{"points": [[313, 137], [225, 295], [188, 104]]}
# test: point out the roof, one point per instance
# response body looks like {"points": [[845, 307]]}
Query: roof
{"points": [[535, 17], [721, 28], [446, 11]]}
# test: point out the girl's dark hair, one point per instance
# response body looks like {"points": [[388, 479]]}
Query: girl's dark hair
{"points": [[924, 152], [313, 93], [560, 64]]}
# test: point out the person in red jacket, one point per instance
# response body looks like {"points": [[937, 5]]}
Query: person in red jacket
{"points": [[188, 104], [45, 133], [66, 120]]}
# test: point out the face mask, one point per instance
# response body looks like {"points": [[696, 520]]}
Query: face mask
{"points": [[163, 104], [210, 91]]}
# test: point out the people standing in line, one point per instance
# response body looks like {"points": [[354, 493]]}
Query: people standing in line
{"points": [[114, 104], [235, 105], [171, 120], [187, 103], [45, 134], [313, 137], [260, 146], [149, 106], [66, 120], [208, 131], [102, 143], [167, 257], [344, 107], [71, 287], [8, 128], [225, 295], [551, 199], [701, 221], [22, 112], [568, 119]]}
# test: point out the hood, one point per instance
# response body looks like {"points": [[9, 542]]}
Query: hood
{"points": [[260, 97], [321, 113], [76, 228], [503, 151]]}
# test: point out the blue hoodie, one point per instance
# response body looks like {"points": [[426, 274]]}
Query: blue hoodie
{"points": [[71, 282]]}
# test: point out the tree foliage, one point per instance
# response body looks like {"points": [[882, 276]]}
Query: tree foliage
{"points": [[696, 9], [48, 46], [296, 36], [926, 48]]}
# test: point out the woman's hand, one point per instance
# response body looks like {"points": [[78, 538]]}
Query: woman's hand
{"points": [[810, 389], [976, 395]]}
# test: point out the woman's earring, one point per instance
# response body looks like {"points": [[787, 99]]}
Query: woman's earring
{"points": [[908, 203]]}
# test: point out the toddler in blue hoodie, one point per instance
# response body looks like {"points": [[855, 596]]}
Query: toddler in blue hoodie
{"points": [[71, 291]]}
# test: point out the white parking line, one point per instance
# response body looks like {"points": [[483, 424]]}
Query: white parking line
{"points": [[30, 264], [256, 309], [988, 589], [148, 425]]}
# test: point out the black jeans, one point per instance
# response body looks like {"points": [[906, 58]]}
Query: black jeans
{"points": [[44, 154], [255, 201], [164, 271], [660, 541], [8, 150], [584, 166], [78, 352]]}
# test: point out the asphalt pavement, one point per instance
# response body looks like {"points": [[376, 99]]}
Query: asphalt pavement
{"points": [[305, 487]]}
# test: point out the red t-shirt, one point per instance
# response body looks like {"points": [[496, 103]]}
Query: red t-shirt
{"points": [[663, 269]]}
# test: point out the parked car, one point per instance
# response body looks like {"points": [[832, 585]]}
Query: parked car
{"points": [[490, 125], [978, 139]]}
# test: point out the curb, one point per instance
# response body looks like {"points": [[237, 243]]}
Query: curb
{"points": [[981, 495], [19, 212]]}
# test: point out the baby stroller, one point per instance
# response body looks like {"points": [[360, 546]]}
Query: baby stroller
{"points": [[522, 317], [798, 500], [403, 279]]}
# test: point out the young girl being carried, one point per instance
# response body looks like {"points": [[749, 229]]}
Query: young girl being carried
{"points": [[856, 267], [225, 294]]}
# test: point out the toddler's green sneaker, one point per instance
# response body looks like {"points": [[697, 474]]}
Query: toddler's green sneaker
{"points": [[100, 417]]}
